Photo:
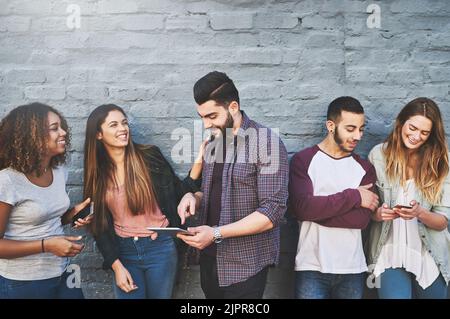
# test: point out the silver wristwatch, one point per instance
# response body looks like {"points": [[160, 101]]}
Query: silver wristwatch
{"points": [[217, 235]]}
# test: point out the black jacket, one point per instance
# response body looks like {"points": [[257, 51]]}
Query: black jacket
{"points": [[169, 190]]}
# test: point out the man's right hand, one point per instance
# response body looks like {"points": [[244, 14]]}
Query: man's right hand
{"points": [[368, 198], [186, 208]]}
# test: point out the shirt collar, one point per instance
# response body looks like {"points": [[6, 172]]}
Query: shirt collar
{"points": [[244, 125]]}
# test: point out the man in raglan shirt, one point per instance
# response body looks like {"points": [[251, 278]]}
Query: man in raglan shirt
{"points": [[332, 195]]}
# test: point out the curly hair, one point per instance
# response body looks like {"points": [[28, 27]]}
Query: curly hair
{"points": [[23, 138]]}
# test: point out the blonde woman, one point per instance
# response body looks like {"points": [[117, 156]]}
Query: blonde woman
{"points": [[409, 241]]}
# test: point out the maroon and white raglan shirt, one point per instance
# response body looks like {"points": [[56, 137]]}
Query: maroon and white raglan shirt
{"points": [[324, 198]]}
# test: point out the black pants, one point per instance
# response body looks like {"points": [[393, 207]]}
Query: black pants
{"points": [[252, 288]]}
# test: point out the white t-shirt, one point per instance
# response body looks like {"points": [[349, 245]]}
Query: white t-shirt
{"points": [[36, 213]]}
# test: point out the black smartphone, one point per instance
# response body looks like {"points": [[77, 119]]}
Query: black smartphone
{"points": [[402, 206], [81, 240], [85, 212]]}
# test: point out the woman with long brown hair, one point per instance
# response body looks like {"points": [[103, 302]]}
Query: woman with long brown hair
{"points": [[34, 205], [133, 188], [409, 242]]}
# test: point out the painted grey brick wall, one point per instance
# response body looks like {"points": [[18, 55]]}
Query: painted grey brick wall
{"points": [[288, 58]]}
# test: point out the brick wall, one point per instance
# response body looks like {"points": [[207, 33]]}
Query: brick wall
{"points": [[289, 59]]}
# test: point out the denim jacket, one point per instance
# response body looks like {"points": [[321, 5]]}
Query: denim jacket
{"points": [[436, 242]]}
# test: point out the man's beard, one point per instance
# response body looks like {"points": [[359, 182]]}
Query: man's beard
{"points": [[340, 142], [228, 124], [219, 138]]}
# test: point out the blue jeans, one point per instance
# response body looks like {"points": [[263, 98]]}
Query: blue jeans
{"points": [[152, 265], [397, 283], [52, 288], [317, 285]]}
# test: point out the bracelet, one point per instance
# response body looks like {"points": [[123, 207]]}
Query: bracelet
{"points": [[42, 245]]}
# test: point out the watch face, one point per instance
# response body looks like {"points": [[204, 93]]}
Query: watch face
{"points": [[217, 236]]}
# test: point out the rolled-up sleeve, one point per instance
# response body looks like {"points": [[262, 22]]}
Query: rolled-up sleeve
{"points": [[444, 206], [192, 185], [272, 180]]}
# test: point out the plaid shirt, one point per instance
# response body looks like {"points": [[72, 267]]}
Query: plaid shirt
{"points": [[255, 178]]}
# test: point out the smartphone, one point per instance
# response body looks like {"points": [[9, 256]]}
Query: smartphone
{"points": [[402, 206], [85, 212], [81, 240]]}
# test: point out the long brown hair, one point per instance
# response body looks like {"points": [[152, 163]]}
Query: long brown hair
{"points": [[99, 171], [433, 167], [23, 138]]}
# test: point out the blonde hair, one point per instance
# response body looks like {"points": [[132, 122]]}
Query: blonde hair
{"points": [[433, 167]]}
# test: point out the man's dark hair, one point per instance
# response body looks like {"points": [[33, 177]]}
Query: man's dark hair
{"points": [[216, 86], [343, 103]]}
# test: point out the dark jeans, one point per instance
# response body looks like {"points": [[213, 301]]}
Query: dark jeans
{"points": [[252, 288], [52, 288], [152, 265], [317, 285]]}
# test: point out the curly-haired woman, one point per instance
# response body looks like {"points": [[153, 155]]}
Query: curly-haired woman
{"points": [[34, 205], [410, 246]]}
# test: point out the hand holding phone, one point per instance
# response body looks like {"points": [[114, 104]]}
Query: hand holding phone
{"points": [[409, 212], [84, 213], [384, 213], [81, 239], [398, 206]]}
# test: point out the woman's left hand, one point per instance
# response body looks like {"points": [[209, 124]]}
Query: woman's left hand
{"points": [[154, 235], [410, 213]]}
